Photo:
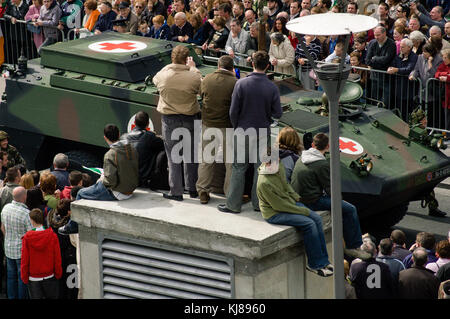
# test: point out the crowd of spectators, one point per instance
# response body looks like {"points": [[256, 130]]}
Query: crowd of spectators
{"points": [[420, 272], [38, 240]]}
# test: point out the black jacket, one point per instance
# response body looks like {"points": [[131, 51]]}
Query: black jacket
{"points": [[363, 276], [175, 31], [381, 58], [16, 12], [418, 283], [104, 22], [219, 38], [148, 145]]}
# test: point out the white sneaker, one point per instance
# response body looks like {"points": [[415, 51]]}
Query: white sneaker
{"points": [[323, 272]]}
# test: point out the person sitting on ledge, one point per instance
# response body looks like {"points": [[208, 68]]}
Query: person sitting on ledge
{"points": [[120, 170], [311, 180], [280, 205]]}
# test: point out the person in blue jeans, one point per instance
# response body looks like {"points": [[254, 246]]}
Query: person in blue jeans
{"points": [[280, 205], [311, 180], [15, 223]]}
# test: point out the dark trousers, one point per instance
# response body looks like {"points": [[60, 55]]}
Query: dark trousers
{"points": [[180, 162], [44, 289]]}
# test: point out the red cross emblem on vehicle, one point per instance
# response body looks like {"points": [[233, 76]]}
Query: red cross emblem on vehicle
{"points": [[107, 46], [349, 146], [117, 46]]}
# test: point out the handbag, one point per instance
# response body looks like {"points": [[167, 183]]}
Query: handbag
{"points": [[34, 29]]}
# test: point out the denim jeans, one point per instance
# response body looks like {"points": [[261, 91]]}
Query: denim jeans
{"points": [[314, 238], [350, 221], [246, 151], [16, 289], [98, 191]]}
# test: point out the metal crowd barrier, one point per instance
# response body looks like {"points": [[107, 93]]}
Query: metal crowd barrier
{"points": [[392, 91], [437, 103], [18, 40]]}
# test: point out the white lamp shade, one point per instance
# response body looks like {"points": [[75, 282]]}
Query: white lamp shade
{"points": [[330, 23]]}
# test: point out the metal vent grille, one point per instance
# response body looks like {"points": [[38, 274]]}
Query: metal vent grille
{"points": [[138, 270]]}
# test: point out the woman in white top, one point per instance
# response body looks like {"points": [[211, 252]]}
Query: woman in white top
{"points": [[282, 54]]}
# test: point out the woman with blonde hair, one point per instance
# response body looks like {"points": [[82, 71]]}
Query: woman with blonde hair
{"points": [[159, 29], [290, 147], [27, 181]]}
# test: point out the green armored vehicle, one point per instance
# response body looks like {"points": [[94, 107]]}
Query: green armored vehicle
{"points": [[61, 102], [385, 162]]}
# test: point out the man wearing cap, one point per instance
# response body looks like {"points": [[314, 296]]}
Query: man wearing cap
{"points": [[129, 17], [14, 157], [120, 25], [107, 16]]}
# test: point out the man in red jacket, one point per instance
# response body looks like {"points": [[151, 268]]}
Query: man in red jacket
{"points": [[41, 259]]}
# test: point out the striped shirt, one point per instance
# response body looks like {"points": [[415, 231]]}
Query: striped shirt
{"points": [[314, 49], [16, 220]]}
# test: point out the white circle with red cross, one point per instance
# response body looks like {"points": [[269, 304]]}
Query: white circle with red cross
{"points": [[132, 125], [117, 46], [349, 146]]}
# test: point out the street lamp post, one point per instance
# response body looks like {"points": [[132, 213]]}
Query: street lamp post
{"points": [[332, 78]]}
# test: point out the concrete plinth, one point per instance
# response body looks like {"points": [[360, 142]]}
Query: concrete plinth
{"points": [[266, 261]]}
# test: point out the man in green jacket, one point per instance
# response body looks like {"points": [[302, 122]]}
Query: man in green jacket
{"points": [[120, 170], [311, 179], [281, 205], [216, 91]]}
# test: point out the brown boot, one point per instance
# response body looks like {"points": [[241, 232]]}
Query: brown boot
{"points": [[204, 198]]}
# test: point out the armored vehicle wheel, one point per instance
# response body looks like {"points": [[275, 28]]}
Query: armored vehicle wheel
{"points": [[385, 219]]}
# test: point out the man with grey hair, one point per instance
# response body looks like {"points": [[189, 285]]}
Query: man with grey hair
{"points": [[371, 278], [283, 14], [253, 40], [237, 42], [15, 223], [250, 17], [435, 31], [434, 17], [60, 166], [181, 30], [418, 282], [402, 65]]}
